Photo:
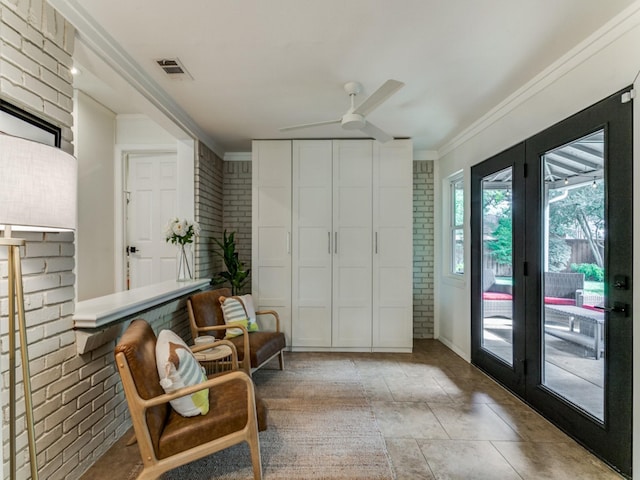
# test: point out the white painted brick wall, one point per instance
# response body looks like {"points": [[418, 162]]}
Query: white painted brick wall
{"points": [[209, 204], [423, 255], [36, 54], [237, 208]]}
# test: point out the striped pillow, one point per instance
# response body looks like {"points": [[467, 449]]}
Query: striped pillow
{"points": [[177, 368], [233, 312]]}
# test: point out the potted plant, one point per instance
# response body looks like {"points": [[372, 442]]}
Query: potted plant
{"points": [[235, 272]]}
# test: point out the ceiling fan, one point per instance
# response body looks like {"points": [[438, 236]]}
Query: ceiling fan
{"points": [[355, 119]]}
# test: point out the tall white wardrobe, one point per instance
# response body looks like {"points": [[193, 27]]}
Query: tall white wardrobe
{"points": [[332, 241]]}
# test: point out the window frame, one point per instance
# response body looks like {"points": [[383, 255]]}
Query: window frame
{"points": [[456, 223]]}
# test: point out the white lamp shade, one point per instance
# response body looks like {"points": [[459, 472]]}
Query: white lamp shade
{"points": [[38, 185]]}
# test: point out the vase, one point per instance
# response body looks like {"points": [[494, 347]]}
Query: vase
{"points": [[184, 263]]}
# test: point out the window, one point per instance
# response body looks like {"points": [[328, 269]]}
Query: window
{"points": [[456, 222], [17, 122]]}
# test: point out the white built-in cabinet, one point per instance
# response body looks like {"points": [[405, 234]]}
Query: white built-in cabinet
{"points": [[347, 236]]}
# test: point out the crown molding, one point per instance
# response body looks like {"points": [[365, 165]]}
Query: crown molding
{"points": [[425, 155], [107, 48], [601, 38], [237, 156]]}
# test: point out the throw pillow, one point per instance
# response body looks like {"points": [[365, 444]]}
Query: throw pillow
{"points": [[247, 300], [235, 311], [178, 368]]}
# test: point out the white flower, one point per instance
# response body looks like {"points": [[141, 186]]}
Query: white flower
{"points": [[180, 228], [181, 231]]}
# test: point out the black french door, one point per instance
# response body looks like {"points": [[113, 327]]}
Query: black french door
{"points": [[551, 227]]}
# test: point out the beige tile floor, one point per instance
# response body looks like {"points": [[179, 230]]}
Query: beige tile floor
{"points": [[443, 419]]}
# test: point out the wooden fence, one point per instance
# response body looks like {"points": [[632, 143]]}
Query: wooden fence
{"points": [[580, 253]]}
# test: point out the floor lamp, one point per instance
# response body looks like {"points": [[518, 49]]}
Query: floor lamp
{"points": [[38, 189]]}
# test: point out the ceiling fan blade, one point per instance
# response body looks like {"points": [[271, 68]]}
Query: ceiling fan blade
{"points": [[305, 125], [376, 98], [373, 131]]}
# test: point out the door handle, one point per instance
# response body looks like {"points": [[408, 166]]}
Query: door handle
{"points": [[329, 243], [131, 249], [618, 307]]}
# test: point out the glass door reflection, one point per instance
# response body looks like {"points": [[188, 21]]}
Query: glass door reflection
{"points": [[573, 277], [497, 265]]}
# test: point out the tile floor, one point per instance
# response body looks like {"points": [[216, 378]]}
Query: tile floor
{"points": [[443, 419]]}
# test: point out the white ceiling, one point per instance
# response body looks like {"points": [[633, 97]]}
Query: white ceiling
{"points": [[258, 65]]}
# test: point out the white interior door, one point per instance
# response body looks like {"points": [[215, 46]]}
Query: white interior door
{"points": [[312, 243], [152, 202], [352, 222]]}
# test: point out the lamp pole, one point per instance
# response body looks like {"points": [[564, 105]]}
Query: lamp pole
{"points": [[16, 302]]}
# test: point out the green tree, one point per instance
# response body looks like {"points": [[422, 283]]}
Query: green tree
{"points": [[582, 211], [498, 222]]}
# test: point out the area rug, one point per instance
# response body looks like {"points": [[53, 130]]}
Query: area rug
{"points": [[320, 427]]}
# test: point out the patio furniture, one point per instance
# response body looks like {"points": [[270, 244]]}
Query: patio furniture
{"points": [[165, 438], [497, 299], [579, 325], [562, 288]]}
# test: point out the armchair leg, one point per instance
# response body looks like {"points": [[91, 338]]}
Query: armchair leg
{"points": [[281, 359], [254, 448]]}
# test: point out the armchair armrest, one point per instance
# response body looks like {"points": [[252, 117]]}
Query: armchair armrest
{"points": [[210, 383], [271, 312]]}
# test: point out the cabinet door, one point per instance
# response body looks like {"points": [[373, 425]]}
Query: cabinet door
{"points": [[312, 243], [352, 174], [393, 245], [271, 228]]}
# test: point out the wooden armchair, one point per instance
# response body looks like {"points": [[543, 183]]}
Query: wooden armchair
{"points": [[255, 349], [166, 439]]}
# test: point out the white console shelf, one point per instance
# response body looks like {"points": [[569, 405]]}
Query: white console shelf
{"points": [[102, 311]]}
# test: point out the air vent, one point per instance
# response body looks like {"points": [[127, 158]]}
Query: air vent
{"points": [[174, 69]]}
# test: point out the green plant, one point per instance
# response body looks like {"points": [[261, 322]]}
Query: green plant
{"points": [[235, 272], [591, 271]]}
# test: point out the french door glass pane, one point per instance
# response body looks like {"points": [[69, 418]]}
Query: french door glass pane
{"points": [[574, 232], [497, 272]]}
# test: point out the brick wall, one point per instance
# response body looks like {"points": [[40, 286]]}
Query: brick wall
{"points": [[237, 208], [208, 204], [79, 406], [35, 58], [423, 249]]}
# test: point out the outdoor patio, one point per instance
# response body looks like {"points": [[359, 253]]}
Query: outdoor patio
{"points": [[571, 370]]}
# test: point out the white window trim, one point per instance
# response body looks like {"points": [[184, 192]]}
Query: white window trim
{"points": [[452, 180]]}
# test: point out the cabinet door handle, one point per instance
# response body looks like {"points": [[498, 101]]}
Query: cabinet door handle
{"points": [[335, 243], [329, 243], [288, 243], [376, 242]]}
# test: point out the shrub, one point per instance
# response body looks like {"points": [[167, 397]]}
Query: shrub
{"points": [[592, 272]]}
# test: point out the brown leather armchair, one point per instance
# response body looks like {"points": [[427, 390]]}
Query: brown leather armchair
{"points": [[166, 439], [205, 318]]}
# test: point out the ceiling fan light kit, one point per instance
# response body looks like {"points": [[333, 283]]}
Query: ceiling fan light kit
{"points": [[355, 119]]}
